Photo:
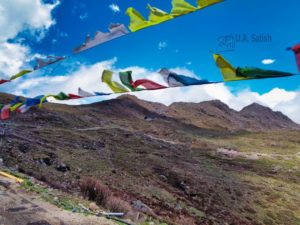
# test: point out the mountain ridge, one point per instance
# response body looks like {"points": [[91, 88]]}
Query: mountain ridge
{"points": [[190, 163], [208, 114]]}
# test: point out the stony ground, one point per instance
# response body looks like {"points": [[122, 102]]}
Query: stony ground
{"points": [[205, 165], [20, 207]]}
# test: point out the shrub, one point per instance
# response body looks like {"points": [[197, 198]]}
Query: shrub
{"points": [[118, 205], [185, 220], [94, 191]]}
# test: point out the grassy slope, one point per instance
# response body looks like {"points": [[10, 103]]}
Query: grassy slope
{"points": [[171, 166]]}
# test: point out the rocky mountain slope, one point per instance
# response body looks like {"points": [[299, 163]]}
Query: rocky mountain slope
{"points": [[217, 115], [189, 163]]}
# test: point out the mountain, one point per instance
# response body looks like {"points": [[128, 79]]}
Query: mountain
{"points": [[217, 115], [266, 118], [213, 115], [189, 163]]}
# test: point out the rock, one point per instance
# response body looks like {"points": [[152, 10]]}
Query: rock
{"points": [[276, 169], [4, 183], [149, 118], [178, 207], [183, 186], [140, 206], [1, 162], [16, 209], [42, 222], [24, 147], [40, 161], [74, 210], [93, 207], [47, 161], [163, 178], [249, 209], [62, 167]]}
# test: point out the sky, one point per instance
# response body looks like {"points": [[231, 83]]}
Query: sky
{"points": [[260, 32]]}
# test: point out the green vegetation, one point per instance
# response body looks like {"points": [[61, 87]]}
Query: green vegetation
{"points": [[173, 165], [64, 202]]}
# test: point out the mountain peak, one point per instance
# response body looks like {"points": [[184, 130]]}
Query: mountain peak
{"points": [[254, 107], [202, 105], [214, 115], [129, 97], [266, 117]]}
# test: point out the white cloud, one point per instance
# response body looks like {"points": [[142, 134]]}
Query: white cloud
{"points": [[277, 99], [35, 16], [63, 34], [268, 61], [162, 44], [115, 8], [89, 78], [83, 16], [17, 16], [12, 57]]}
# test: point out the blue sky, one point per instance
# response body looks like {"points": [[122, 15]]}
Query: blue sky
{"points": [[185, 44], [189, 39]]}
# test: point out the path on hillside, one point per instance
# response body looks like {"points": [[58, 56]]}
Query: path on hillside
{"points": [[18, 207], [132, 132]]}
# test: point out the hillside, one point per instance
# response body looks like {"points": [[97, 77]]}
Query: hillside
{"points": [[189, 163]]}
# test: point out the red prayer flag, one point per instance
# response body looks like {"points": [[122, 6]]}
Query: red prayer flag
{"points": [[72, 96], [296, 50], [5, 112], [148, 84], [3, 81]]}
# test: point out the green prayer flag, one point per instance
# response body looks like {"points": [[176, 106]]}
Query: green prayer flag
{"points": [[114, 86], [256, 73], [126, 79], [231, 73], [227, 70], [61, 96]]}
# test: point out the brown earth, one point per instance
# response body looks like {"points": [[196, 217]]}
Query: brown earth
{"points": [[169, 158], [24, 208]]}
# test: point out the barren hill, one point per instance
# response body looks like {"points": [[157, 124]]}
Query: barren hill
{"points": [[189, 163]]}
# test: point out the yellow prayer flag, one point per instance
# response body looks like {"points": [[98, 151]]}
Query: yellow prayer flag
{"points": [[20, 74], [157, 16], [227, 70], [205, 3], [181, 7], [15, 106], [137, 21], [114, 86]]}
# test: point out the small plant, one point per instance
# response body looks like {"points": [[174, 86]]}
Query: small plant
{"points": [[118, 205], [94, 191]]}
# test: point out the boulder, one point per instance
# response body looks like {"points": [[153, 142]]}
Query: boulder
{"points": [[62, 167]]}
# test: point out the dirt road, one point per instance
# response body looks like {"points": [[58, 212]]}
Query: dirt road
{"points": [[18, 207]]}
